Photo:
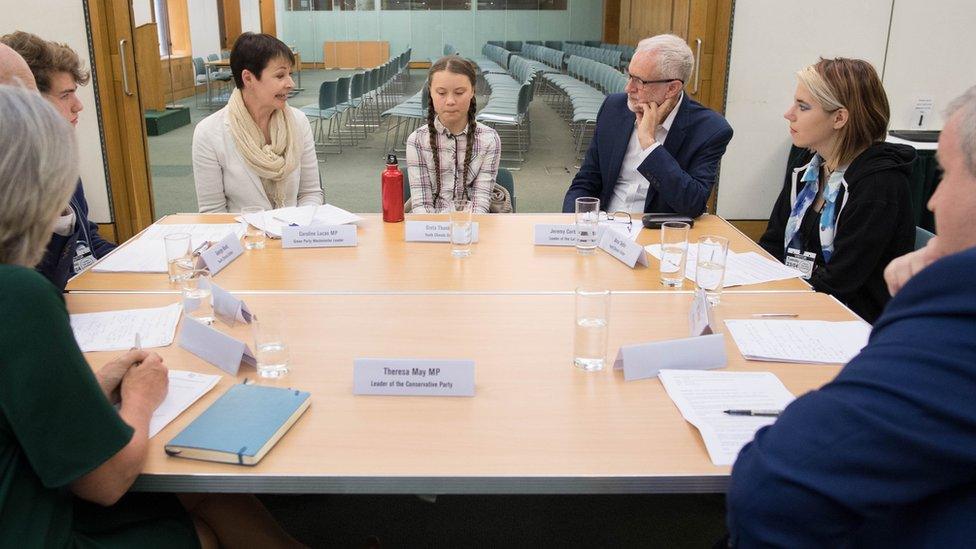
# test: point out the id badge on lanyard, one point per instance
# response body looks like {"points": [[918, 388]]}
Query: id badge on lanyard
{"points": [[83, 258], [801, 261]]}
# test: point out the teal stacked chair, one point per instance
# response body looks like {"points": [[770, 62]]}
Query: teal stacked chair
{"points": [[324, 109]]}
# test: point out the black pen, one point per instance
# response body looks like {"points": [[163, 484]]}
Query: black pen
{"points": [[757, 413]]}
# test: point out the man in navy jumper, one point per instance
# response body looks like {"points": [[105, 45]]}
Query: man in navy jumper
{"points": [[885, 455]]}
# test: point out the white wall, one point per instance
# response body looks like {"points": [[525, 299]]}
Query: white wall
{"points": [[204, 27], [771, 40], [142, 11], [929, 55], [250, 16], [69, 27]]}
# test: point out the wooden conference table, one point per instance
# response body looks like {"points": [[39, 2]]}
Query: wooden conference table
{"points": [[504, 260], [535, 425]]}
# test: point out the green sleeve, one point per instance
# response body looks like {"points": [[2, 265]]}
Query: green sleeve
{"points": [[48, 393]]}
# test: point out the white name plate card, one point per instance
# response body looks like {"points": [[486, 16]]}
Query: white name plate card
{"points": [[220, 255], [701, 318], [227, 308], [623, 248], [413, 377], [215, 347], [434, 231], [645, 360], [319, 236], [555, 235]]}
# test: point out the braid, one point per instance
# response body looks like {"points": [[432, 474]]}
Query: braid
{"points": [[469, 143], [436, 191]]}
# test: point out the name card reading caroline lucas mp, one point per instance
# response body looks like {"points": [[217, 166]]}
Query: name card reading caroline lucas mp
{"points": [[413, 377]]}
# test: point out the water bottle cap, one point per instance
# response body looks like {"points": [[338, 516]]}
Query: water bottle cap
{"points": [[391, 159]]}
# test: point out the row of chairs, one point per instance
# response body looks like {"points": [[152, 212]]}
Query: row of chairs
{"points": [[493, 58], [221, 78], [550, 56], [352, 105], [507, 109], [602, 55], [577, 95]]}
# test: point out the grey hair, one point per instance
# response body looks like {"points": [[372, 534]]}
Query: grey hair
{"points": [[38, 172], [674, 57], [965, 106]]}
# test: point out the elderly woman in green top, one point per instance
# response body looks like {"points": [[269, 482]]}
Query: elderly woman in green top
{"points": [[63, 446]]}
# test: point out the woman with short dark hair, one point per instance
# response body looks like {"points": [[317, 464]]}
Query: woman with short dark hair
{"points": [[845, 210], [256, 151]]}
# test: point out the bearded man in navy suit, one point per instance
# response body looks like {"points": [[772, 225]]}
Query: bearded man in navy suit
{"points": [[654, 149]]}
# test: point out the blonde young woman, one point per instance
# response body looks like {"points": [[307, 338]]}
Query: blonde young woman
{"points": [[845, 209], [256, 151], [452, 157]]}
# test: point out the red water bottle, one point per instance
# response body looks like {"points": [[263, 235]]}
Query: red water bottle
{"points": [[392, 191]]}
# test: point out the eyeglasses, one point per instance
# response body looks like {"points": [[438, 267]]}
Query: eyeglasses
{"points": [[618, 217], [640, 82]]}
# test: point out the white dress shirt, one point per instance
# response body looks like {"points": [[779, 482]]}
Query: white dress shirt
{"points": [[630, 191]]}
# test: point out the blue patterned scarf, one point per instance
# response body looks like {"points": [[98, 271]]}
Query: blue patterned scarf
{"points": [[829, 215]]}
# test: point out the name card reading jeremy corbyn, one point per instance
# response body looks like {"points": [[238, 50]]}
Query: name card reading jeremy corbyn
{"points": [[413, 377], [623, 248], [434, 231], [319, 236], [220, 255], [555, 235]]}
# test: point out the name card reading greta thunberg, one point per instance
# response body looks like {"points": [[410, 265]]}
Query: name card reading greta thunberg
{"points": [[555, 235], [413, 377], [623, 248], [434, 231], [220, 255], [319, 236]]}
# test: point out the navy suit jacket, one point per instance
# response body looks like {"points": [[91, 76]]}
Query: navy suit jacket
{"points": [[57, 264], [681, 172], [884, 455]]}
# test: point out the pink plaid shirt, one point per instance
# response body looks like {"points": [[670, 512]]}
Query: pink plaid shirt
{"points": [[485, 156]]}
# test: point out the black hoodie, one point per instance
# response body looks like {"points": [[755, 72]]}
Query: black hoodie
{"points": [[875, 226]]}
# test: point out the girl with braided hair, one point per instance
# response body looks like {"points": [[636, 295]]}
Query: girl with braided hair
{"points": [[452, 157]]}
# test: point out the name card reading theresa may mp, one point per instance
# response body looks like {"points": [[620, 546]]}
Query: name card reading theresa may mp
{"points": [[413, 377], [434, 231], [319, 236]]}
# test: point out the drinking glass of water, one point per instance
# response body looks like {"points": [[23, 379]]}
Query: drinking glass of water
{"points": [[587, 222], [461, 228], [713, 252], [592, 325], [178, 260], [674, 253], [253, 237], [269, 345], [198, 297]]}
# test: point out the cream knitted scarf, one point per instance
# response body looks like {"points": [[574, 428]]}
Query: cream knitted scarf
{"points": [[271, 162]]}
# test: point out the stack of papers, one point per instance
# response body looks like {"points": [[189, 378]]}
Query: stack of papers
{"points": [[147, 254], [185, 388], [741, 269], [116, 330], [272, 221], [702, 398], [809, 341]]}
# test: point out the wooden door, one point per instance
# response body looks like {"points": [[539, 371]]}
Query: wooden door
{"points": [[232, 23], [123, 127], [268, 25]]}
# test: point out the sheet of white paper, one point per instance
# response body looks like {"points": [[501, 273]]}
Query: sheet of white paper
{"points": [[814, 341], [741, 269], [185, 388], [271, 221], [116, 330], [147, 254], [703, 396]]}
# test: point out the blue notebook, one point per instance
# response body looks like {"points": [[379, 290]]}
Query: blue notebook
{"points": [[241, 426]]}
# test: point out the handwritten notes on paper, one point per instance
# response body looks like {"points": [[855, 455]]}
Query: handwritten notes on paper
{"points": [[116, 330], [185, 388], [813, 341], [703, 397]]}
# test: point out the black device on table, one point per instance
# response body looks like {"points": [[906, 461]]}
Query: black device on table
{"points": [[654, 220]]}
